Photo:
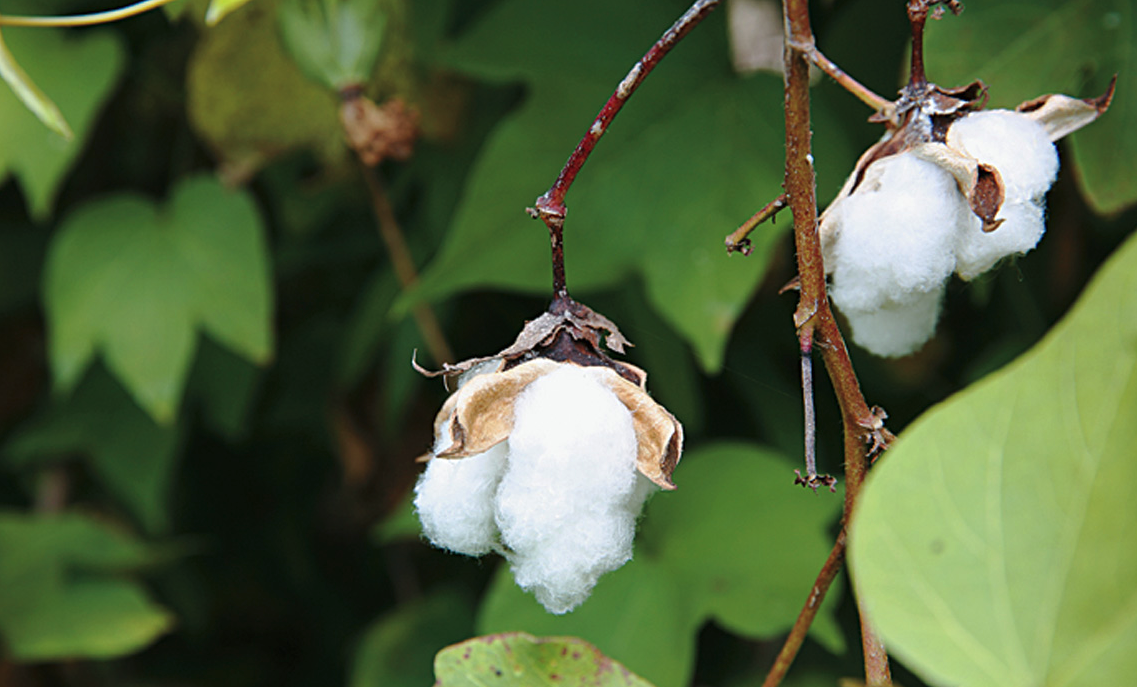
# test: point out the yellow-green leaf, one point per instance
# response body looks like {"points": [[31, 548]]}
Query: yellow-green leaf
{"points": [[997, 542], [219, 8], [30, 95]]}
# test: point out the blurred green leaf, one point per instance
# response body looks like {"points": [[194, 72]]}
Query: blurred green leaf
{"points": [[250, 102], [521, 660], [399, 648], [124, 447], [335, 42], [219, 8], [31, 96], [62, 593], [137, 283], [224, 385], [1026, 48], [695, 152], [995, 544], [737, 543], [80, 71]]}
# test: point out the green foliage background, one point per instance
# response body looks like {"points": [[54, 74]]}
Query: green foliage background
{"points": [[208, 418]]}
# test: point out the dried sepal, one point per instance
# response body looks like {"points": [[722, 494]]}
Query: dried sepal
{"points": [[981, 183], [376, 132], [1061, 115], [480, 413], [659, 435]]}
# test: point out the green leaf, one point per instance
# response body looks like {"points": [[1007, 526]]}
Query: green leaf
{"points": [[994, 545], [694, 153], [250, 102], [704, 552], [521, 660], [62, 594], [134, 457], [219, 8], [136, 284], [79, 70], [399, 648], [1026, 48], [31, 96], [224, 385], [335, 42]]}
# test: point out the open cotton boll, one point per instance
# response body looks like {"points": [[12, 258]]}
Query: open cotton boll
{"points": [[896, 234], [977, 251], [454, 498], [895, 329], [1013, 143], [568, 501]]}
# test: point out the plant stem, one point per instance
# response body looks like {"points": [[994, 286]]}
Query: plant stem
{"points": [[884, 107], [813, 317], [404, 264], [738, 240], [550, 207], [805, 618], [85, 19]]}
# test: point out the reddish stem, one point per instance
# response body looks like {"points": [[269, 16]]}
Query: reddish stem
{"points": [[550, 207]]}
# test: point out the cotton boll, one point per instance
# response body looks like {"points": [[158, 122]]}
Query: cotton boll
{"points": [[1014, 144], [570, 496], [897, 233], [454, 499], [977, 251], [896, 328]]}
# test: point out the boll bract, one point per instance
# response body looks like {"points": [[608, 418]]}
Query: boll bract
{"points": [[546, 455], [954, 189]]}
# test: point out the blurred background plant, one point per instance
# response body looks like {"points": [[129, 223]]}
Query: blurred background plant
{"points": [[208, 306]]}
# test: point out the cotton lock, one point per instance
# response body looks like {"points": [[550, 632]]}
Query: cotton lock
{"points": [[546, 454], [922, 205]]}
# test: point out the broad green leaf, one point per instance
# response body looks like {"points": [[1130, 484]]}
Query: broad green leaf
{"points": [[63, 594], [736, 543], [1026, 48], [137, 283], [692, 155], [224, 386], [995, 545], [219, 8], [30, 95], [125, 449], [79, 70], [399, 648], [250, 102], [521, 660]]}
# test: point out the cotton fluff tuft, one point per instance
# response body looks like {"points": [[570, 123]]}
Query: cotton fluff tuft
{"points": [[1027, 161], [454, 499], [1013, 143], [893, 249], [568, 502]]}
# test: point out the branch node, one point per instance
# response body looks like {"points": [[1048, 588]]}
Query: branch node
{"points": [[815, 481]]}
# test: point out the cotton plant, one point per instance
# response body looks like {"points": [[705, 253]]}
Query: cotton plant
{"points": [[545, 453], [950, 188]]}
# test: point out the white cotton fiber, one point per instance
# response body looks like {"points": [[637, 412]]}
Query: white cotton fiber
{"points": [[893, 251], [977, 251], [896, 328], [1013, 143], [897, 233], [454, 499], [569, 499]]}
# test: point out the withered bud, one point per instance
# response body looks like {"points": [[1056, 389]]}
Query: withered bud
{"points": [[376, 132]]}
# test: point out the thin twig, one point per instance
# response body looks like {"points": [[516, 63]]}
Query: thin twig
{"points": [[84, 19], [550, 207], [808, 612], [884, 107], [404, 264], [738, 240], [811, 479], [813, 317]]}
